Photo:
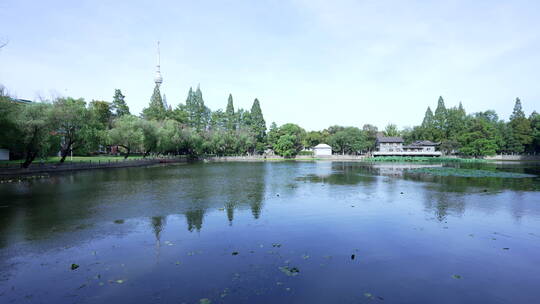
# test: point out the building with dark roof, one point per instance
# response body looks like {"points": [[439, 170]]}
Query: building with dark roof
{"points": [[393, 146]]}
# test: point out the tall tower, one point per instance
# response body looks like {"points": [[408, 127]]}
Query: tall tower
{"points": [[158, 79]]}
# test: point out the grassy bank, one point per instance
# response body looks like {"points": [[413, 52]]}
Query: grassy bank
{"points": [[425, 159], [75, 159]]}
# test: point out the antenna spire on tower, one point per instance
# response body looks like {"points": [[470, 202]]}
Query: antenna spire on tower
{"points": [[158, 79]]}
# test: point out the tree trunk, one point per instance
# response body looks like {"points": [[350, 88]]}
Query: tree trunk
{"points": [[146, 154], [127, 153], [64, 153], [30, 156]]}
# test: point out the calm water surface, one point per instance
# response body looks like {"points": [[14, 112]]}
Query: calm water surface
{"points": [[287, 232]]}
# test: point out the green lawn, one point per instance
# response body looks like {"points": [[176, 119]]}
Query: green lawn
{"points": [[55, 159]]}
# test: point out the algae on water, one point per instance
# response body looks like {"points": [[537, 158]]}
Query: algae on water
{"points": [[459, 172]]}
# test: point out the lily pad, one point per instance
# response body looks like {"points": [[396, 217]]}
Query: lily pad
{"points": [[205, 301], [74, 266], [456, 276], [235, 253], [290, 271], [119, 281]]}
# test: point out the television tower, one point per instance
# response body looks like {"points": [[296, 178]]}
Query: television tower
{"points": [[158, 79]]}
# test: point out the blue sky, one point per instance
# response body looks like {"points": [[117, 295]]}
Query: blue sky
{"points": [[315, 63]]}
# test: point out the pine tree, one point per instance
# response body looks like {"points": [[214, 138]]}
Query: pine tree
{"points": [[258, 124], [229, 114], [198, 114], [428, 127], [155, 110], [461, 109], [166, 106], [521, 128], [440, 120], [456, 122], [119, 106], [517, 113], [190, 107], [428, 118]]}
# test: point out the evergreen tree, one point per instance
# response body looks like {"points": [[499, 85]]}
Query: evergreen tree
{"points": [[273, 134], [258, 124], [428, 127], [521, 128], [440, 120], [456, 122], [219, 121], [461, 110], [229, 115], [198, 114], [189, 107], [517, 113], [119, 106], [156, 109], [166, 106]]}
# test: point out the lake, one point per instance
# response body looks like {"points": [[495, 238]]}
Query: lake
{"points": [[275, 232]]}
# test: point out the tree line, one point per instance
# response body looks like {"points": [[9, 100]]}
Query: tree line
{"points": [[478, 134], [67, 125]]}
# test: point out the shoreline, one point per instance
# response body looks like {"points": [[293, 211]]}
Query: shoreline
{"points": [[15, 174]]}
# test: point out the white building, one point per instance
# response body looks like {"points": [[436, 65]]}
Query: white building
{"points": [[322, 150], [4, 154], [393, 146]]}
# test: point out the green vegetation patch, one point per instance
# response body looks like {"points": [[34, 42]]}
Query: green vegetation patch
{"points": [[76, 159], [425, 159], [290, 271], [468, 173]]}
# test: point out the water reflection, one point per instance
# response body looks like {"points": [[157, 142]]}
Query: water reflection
{"points": [[321, 212], [39, 209]]}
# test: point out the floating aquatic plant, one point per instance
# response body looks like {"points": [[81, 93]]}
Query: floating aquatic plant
{"points": [[459, 172], [425, 159], [290, 271]]}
